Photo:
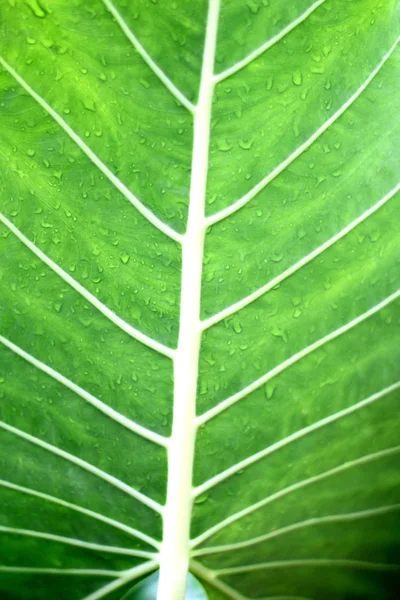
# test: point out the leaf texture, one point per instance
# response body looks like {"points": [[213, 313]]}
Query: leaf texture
{"points": [[200, 291]]}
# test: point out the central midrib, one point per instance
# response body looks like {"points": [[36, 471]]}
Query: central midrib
{"points": [[174, 557]]}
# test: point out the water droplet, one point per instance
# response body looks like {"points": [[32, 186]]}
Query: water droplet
{"points": [[125, 258], [269, 390], [36, 8], [270, 82], [301, 234], [203, 388], [253, 6], [246, 144], [86, 321], [374, 236], [201, 499], [276, 257], [237, 328], [297, 77], [224, 145], [304, 94], [89, 105], [31, 152], [280, 333]]}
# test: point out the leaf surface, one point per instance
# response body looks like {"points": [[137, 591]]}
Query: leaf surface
{"points": [[199, 312]]}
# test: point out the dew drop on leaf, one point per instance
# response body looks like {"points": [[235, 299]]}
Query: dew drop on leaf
{"points": [[201, 499], [224, 145], [246, 144], [269, 83], [297, 78], [269, 390]]}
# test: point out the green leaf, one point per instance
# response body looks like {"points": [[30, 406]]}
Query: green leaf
{"points": [[199, 308]]}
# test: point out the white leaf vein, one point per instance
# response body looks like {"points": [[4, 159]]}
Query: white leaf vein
{"points": [[314, 522], [212, 578], [209, 576], [121, 187], [126, 577], [213, 481], [178, 507], [76, 542], [225, 404], [110, 479], [290, 489], [316, 562], [238, 204], [268, 44], [80, 509], [101, 406], [234, 308], [50, 571], [109, 314], [147, 58]]}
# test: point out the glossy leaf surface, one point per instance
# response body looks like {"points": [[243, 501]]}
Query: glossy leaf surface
{"points": [[200, 305]]}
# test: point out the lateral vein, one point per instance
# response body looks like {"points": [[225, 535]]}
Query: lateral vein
{"points": [[147, 58], [50, 571], [211, 578], [337, 518], [121, 187], [213, 481], [76, 542], [84, 511], [104, 408], [225, 404], [226, 212], [268, 44], [317, 562], [234, 308], [288, 490], [84, 465], [109, 314], [124, 578]]}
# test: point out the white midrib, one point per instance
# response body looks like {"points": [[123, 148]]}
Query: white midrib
{"points": [[174, 556]]}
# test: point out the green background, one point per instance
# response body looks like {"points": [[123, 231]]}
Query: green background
{"points": [[77, 58]]}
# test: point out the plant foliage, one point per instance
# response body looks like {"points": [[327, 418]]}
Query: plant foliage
{"points": [[199, 310]]}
